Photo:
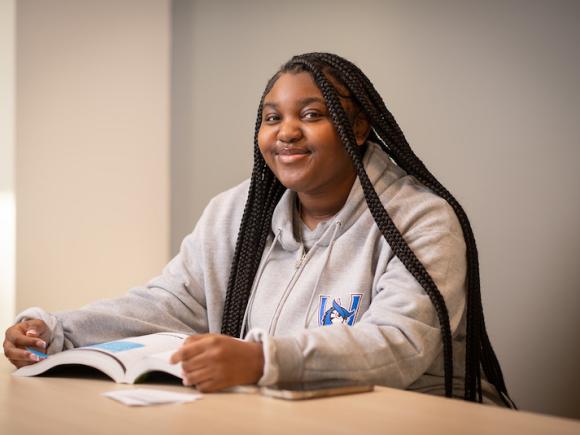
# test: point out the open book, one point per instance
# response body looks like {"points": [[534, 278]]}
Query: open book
{"points": [[124, 361]]}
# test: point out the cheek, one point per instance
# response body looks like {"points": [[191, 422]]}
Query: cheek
{"points": [[265, 146], [263, 140], [326, 134]]}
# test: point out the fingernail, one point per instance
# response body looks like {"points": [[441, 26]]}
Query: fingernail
{"points": [[31, 332], [41, 343], [34, 357]]}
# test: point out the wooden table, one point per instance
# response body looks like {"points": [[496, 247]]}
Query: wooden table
{"points": [[65, 405]]}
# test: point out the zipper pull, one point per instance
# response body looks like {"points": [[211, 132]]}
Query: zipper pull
{"points": [[300, 261]]}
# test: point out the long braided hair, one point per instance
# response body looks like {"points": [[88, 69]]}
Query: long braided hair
{"points": [[266, 190]]}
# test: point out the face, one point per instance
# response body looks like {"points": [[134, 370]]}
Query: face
{"points": [[298, 140]]}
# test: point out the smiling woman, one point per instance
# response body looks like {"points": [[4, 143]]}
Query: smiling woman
{"points": [[299, 143], [342, 257]]}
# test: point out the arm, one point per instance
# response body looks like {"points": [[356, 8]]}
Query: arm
{"points": [[175, 301], [187, 297]]}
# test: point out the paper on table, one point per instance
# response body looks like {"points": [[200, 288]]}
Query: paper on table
{"points": [[145, 397]]}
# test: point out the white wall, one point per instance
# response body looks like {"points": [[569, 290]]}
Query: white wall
{"points": [[7, 200], [487, 93], [92, 148]]}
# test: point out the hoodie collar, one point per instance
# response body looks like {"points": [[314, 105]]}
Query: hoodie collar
{"points": [[375, 162]]}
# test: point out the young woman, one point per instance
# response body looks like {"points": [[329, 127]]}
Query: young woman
{"points": [[342, 257]]}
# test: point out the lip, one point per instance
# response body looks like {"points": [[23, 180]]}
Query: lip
{"points": [[291, 154], [292, 151]]}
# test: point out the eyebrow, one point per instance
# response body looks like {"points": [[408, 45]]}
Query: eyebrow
{"points": [[302, 102]]}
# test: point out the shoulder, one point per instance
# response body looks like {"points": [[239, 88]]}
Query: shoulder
{"points": [[410, 202], [223, 213], [432, 231], [412, 206], [230, 199]]}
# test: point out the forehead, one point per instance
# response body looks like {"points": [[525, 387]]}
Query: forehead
{"points": [[292, 86], [297, 89]]}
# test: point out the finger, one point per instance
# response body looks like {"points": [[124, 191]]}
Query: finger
{"points": [[197, 362], [34, 328], [35, 325], [212, 385], [184, 354], [18, 363], [208, 386], [24, 341], [190, 349], [178, 355], [197, 377], [13, 353], [21, 363], [29, 329], [194, 338]]}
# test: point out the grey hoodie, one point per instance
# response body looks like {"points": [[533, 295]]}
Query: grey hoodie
{"points": [[347, 308]]}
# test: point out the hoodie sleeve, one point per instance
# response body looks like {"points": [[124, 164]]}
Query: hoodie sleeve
{"points": [[174, 301], [397, 339], [187, 297]]}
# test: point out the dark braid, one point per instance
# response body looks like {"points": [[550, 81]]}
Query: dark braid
{"points": [[478, 345], [381, 217], [265, 192]]}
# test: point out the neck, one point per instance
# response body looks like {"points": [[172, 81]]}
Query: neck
{"points": [[319, 207]]}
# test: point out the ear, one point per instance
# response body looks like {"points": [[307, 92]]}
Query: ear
{"points": [[361, 128]]}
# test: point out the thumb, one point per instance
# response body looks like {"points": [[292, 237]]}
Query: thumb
{"points": [[35, 328]]}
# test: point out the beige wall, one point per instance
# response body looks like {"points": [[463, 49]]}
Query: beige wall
{"points": [[92, 148], [487, 93]]}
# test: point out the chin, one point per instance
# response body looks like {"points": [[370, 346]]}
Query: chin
{"points": [[293, 183], [292, 186]]}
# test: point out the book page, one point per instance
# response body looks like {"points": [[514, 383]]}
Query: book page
{"points": [[128, 351], [156, 362], [116, 358]]}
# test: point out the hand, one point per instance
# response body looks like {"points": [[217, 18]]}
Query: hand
{"points": [[29, 333], [213, 362]]}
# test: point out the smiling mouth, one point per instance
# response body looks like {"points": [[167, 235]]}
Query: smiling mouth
{"points": [[291, 155], [287, 151]]}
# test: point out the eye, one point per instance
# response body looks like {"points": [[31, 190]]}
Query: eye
{"points": [[312, 115], [271, 117]]}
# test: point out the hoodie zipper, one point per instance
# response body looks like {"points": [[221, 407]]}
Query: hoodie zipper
{"points": [[304, 258], [300, 262], [299, 267]]}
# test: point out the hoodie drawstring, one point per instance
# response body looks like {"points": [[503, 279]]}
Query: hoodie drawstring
{"points": [[258, 276]]}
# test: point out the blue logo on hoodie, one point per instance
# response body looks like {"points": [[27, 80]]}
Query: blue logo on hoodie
{"points": [[337, 313]]}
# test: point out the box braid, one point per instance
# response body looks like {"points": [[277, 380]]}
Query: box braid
{"points": [[265, 192]]}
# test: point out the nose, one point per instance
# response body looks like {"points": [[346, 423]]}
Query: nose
{"points": [[289, 131]]}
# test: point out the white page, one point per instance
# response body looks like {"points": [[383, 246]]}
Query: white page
{"points": [[130, 350], [146, 397]]}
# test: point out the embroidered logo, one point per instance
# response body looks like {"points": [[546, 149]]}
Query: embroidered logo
{"points": [[336, 313]]}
